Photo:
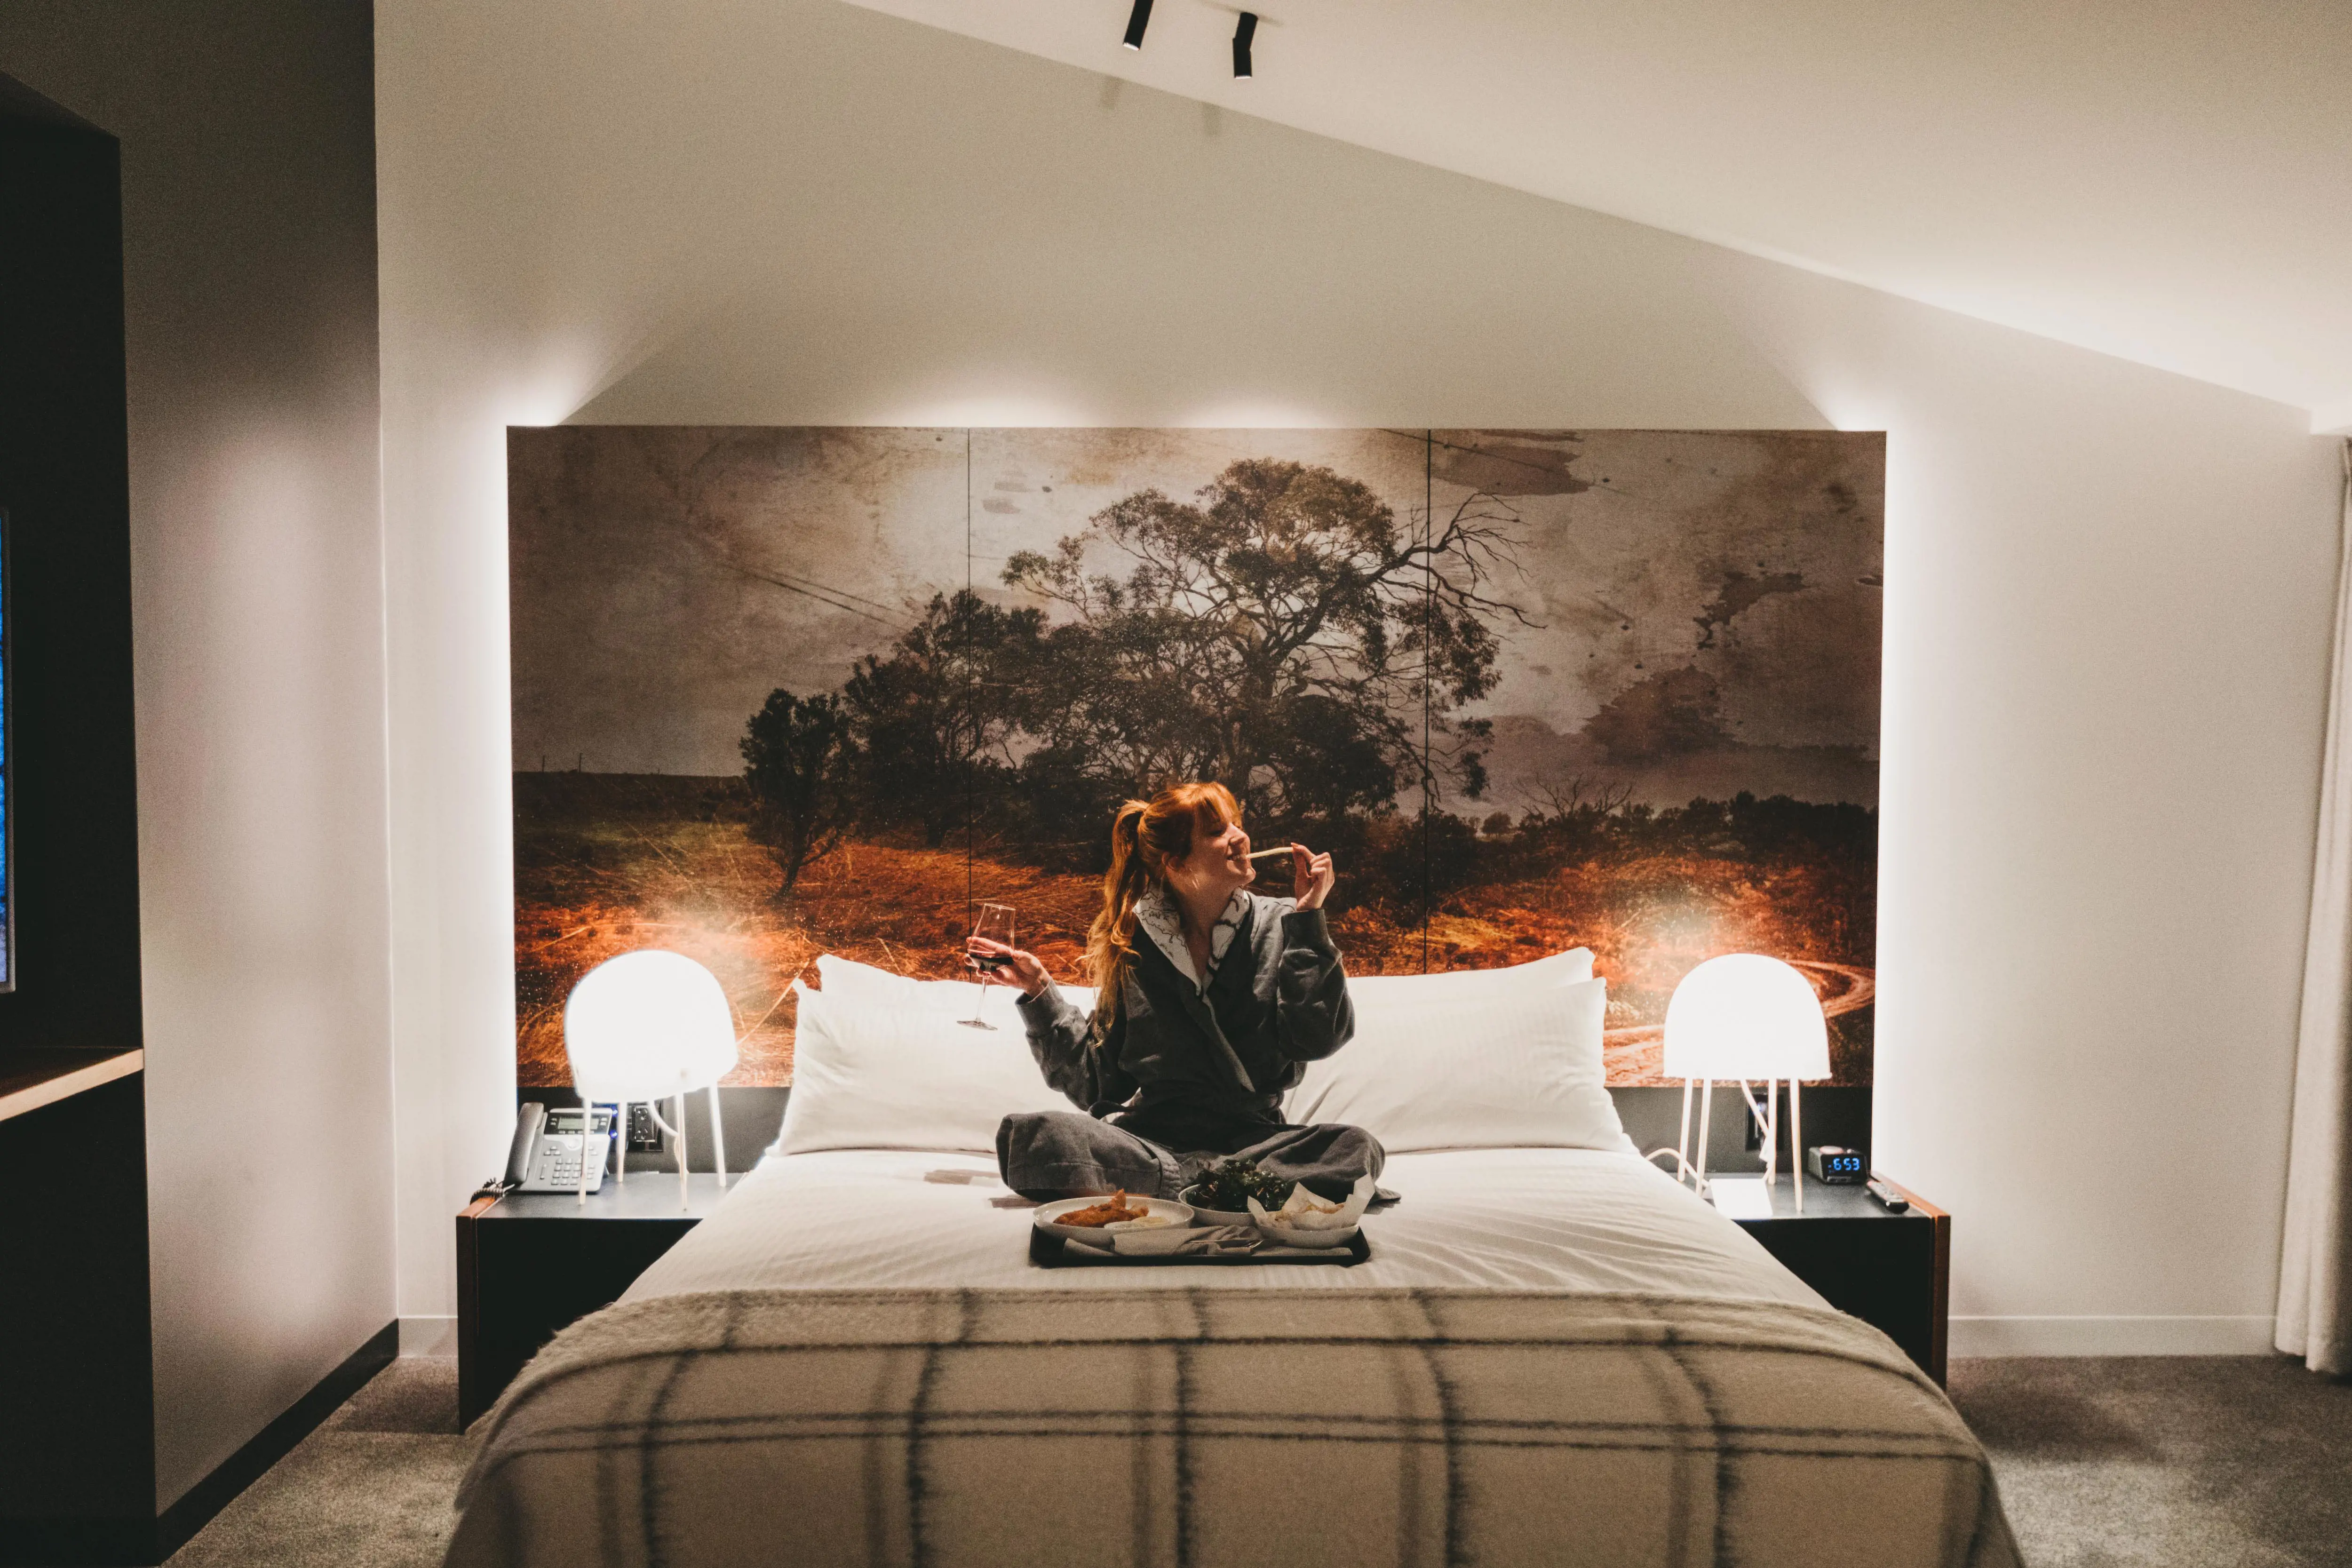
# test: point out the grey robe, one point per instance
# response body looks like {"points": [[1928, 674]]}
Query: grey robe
{"points": [[1183, 1076], [1279, 1000]]}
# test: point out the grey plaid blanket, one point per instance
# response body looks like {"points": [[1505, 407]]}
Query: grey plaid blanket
{"points": [[1275, 1429]]}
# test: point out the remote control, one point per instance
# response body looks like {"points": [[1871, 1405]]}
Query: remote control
{"points": [[1895, 1201]]}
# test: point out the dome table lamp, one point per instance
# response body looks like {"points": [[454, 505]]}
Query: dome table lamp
{"points": [[1739, 1019], [646, 1027]]}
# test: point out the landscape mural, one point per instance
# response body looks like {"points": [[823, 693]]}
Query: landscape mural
{"points": [[780, 691]]}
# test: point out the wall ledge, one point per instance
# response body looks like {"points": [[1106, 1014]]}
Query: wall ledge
{"points": [[30, 1079], [2111, 1336]]}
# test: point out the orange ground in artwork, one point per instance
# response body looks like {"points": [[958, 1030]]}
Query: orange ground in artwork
{"points": [[705, 890], [598, 874]]}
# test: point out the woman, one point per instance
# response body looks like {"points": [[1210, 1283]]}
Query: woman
{"points": [[1209, 999]]}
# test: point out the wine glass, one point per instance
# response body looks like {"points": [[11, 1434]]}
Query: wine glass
{"points": [[993, 924]]}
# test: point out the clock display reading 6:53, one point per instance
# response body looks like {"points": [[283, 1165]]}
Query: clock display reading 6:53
{"points": [[1830, 1163]]}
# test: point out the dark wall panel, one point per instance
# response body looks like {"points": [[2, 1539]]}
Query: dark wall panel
{"points": [[77, 1484], [73, 1325], [64, 483]]}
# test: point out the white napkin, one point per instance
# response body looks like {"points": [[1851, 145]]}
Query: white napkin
{"points": [[1305, 1211], [1212, 1241]]}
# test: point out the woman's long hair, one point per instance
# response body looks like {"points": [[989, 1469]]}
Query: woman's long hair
{"points": [[1147, 837]]}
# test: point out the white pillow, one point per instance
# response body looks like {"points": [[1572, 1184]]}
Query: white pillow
{"points": [[846, 976], [904, 1074], [1559, 969], [1514, 1069]]}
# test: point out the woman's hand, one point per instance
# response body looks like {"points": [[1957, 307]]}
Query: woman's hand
{"points": [[1311, 876], [1025, 971]]}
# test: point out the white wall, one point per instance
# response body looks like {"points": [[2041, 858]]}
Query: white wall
{"points": [[2108, 588], [256, 585]]}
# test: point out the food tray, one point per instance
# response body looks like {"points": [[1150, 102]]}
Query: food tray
{"points": [[1051, 1252]]}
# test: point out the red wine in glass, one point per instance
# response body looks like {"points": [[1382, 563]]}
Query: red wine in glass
{"points": [[994, 924]]}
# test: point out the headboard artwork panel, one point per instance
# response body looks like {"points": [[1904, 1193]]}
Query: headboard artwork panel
{"points": [[780, 691]]}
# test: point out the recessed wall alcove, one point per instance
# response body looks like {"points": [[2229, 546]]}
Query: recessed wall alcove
{"points": [[77, 1463]]}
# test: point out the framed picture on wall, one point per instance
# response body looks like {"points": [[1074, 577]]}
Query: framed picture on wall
{"points": [[785, 692]]}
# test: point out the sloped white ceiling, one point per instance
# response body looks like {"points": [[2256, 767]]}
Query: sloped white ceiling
{"points": [[2169, 180]]}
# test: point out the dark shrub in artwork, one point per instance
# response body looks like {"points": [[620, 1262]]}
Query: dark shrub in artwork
{"points": [[800, 764]]}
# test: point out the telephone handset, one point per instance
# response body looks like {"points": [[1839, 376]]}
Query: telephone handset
{"points": [[546, 1152], [528, 1121]]}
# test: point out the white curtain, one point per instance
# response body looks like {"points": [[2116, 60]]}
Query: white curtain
{"points": [[2314, 1308]]}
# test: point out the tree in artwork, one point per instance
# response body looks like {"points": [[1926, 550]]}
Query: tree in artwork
{"points": [[945, 703], [1282, 633], [800, 768]]}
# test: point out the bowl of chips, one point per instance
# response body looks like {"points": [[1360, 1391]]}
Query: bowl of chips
{"points": [[1306, 1220]]}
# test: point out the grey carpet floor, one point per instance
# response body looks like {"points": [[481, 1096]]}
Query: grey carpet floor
{"points": [[370, 1488], [2151, 1462], [2167, 1461]]}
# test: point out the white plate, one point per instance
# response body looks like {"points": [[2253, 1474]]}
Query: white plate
{"points": [[1177, 1215], [1218, 1216]]}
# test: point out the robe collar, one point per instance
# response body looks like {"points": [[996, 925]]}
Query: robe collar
{"points": [[1161, 920]]}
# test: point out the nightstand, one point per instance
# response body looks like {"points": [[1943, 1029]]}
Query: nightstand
{"points": [[1893, 1272], [531, 1263]]}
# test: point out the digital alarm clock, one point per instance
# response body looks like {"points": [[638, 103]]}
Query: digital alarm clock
{"points": [[1828, 1163]]}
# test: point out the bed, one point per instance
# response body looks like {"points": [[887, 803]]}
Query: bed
{"points": [[1555, 1355]]}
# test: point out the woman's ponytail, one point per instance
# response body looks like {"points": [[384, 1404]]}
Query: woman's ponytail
{"points": [[1126, 833], [1110, 940]]}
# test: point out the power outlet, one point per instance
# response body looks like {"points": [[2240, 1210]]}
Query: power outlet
{"points": [[645, 1138]]}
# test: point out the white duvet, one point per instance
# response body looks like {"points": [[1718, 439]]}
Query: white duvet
{"points": [[1575, 1219]]}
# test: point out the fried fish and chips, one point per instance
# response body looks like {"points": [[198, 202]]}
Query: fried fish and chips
{"points": [[1111, 1212]]}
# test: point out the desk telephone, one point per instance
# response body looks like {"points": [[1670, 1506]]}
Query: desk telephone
{"points": [[545, 1155]]}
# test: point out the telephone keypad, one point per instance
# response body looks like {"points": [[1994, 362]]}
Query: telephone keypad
{"points": [[557, 1164]]}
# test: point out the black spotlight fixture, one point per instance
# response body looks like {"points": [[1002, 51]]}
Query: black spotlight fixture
{"points": [[1136, 20], [1243, 31]]}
